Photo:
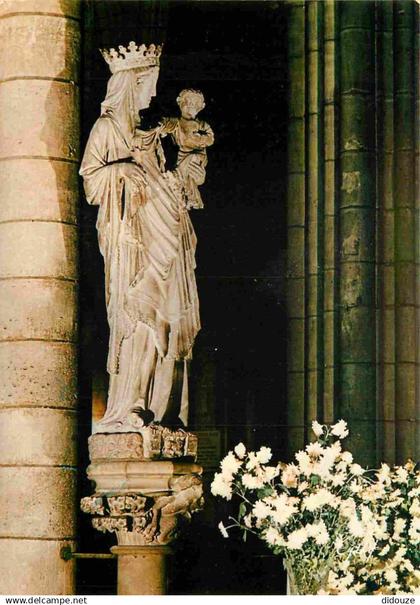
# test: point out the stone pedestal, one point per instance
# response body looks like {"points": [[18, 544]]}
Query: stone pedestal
{"points": [[147, 487]]}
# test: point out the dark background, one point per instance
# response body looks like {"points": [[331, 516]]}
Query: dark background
{"points": [[235, 53]]}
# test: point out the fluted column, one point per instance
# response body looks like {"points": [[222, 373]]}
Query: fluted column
{"points": [[296, 217], [406, 342], [39, 146], [353, 225], [357, 393]]}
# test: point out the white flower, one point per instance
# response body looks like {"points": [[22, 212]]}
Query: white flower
{"points": [[347, 457], [284, 508], [401, 474], [261, 510], [296, 539], [414, 531], [251, 482], [338, 479], [391, 575], [338, 544], [264, 455], [223, 530], [252, 461], [356, 528], [270, 472], [314, 449], [415, 508], [319, 532], [322, 538], [383, 474], [219, 487], [248, 520], [229, 466], [330, 454], [305, 462], [399, 526], [317, 428], [348, 508], [367, 514], [318, 499], [400, 554], [302, 487], [273, 537], [355, 487], [384, 551], [368, 543], [340, 429], [289, 475], [408, 565], [240, 450], [356, 470]]}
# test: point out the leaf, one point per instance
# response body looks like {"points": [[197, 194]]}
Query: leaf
{"points": [[315, 479], [263, 492], [242, 510]]}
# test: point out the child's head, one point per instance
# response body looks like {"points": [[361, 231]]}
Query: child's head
{"points": [[190, 102]]}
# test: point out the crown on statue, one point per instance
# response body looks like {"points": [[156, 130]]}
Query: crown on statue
{"points": [[132, 56]]}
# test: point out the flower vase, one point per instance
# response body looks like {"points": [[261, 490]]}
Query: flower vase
{"points": [[305, 578]]}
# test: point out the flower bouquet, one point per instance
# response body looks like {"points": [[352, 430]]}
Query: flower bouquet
{"points": [[310, 511], [393, 567]]}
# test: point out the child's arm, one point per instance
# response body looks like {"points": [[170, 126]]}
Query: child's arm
{"points": [[206, 134], [168, 126], [200, 137]]}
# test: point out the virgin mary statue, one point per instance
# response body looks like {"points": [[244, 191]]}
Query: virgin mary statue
{"points": [[148, 245]]}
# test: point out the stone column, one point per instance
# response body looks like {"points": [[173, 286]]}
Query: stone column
{"points": [[357, 239], [147, 487], [142, 569], [353, 267], [39, 139]]}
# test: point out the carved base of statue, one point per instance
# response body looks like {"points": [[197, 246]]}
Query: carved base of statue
{"points": [[147, 487]]}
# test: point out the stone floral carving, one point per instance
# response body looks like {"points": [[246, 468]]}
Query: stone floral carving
{"points": [[117, 446], [92, 505], [151, 443], [126, 505], [148, 243], [173, 444], [147, 520]]}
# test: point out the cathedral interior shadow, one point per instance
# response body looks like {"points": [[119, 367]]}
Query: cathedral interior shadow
{"points": [[235, 53]]}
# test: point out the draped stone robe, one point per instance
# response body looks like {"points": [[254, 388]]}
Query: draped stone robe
{"points": [[148, 244]]}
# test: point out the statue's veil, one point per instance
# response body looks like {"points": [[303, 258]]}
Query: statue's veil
{"points": [[120, 101]]}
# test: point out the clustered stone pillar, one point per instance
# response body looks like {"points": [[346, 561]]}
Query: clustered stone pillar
{"points": [[352, 239], [39, 141]]}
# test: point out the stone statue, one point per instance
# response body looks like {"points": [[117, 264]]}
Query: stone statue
{"points": [[148, 244], [192, 137]]}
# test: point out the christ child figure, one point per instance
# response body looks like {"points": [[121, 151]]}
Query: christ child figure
{"points": [[192, 137]]}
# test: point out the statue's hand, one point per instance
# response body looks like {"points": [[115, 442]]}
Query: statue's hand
{"points": [[137, 155], [128, 169], [168, 125]]}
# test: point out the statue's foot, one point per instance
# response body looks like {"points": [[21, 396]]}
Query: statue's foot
{"points": [[139, 417]]}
